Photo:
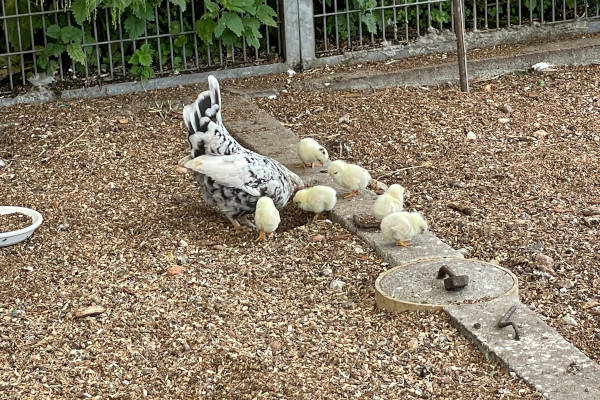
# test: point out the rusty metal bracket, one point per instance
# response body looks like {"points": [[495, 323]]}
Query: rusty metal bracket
{"points": [[505, 321], [453, 282]]}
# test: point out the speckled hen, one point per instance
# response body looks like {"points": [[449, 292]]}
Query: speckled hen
{"points": [[231, 177]]}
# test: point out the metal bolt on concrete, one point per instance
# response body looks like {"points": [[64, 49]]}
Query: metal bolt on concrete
{"points": [[542, 357]]}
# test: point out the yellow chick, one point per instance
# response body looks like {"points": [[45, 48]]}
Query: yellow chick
{"points": [[266, 217], [310, 151], [389, 202], [402, 226], [349, 176], [317, 199]]}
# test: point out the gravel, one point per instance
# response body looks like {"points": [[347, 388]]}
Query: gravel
{"points": [[516, 195], [138, 289]]}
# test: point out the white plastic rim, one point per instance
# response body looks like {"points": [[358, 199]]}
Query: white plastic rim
{"points": [[14, 237]]}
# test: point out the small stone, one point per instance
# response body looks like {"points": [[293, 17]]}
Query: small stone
{"points": [[336, 285], [2, 163], [569, 320], [28, 268], [291, 72], [123, 120], [564, 283], [17, 313], [64, 225], [219, 247], [317, 238], [174, 270], [178, 198], [471, 135], [506, 108], [272, 97], [181, 260], [183, 243], [326, 272], [413, 343], [344, 119], [542, 260], [476, 325], [540, 134], [111, 185], [503, 120]]}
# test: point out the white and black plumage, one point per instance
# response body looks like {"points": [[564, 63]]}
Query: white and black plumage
{"points": [[231, 177]]}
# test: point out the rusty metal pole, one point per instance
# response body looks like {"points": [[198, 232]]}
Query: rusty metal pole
{"points": [[459, 29]]}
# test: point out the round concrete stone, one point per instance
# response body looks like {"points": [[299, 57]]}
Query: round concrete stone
{"points": [[415, 286]]}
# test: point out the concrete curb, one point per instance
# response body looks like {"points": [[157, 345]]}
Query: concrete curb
{"points": [[573, 52], [115, 89], [543, 358]]}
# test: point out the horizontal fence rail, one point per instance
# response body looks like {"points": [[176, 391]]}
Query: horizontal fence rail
{"points": [[348, 25], [39, 36]]}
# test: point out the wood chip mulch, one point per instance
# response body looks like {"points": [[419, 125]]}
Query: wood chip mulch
{"points": [[13, 222], [93, 306]]}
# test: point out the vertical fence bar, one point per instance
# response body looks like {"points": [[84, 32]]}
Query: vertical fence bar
{"points": [[157, 24], [497, 14], [335, 20], [35, 71], [383, 24], [122, 49], [349, 31], [508, 13], [395, 21], [8, 60], [170, 36], [406, 20], [474, 15], [461, 49], [97, 48], [182, 29], [325, 38], [20, 43], [193, 35], [110, 59]]}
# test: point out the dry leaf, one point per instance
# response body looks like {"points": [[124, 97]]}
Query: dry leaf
{"points": [[123, 120], [591, 303]]}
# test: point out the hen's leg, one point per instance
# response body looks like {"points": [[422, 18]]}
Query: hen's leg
{"points": [[244, 220], [234, 222], [316, 217], [261, 235], [403, 243], [351, 194]]}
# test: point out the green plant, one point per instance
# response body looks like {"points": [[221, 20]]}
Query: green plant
{"points": [[67, 38], [141, 62], [232, 20]]}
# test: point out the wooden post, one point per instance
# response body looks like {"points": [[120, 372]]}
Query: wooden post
{"points": [[459, 29]]}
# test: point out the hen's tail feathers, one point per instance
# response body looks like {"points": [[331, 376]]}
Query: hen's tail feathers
{"points": [[208, 104]]}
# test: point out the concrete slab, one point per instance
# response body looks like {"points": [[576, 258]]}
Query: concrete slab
{"points": [[542, 357], [415, 286], [570, 52], [259, 131]]}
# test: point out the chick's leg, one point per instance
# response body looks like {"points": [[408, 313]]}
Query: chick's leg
{"points": [[403, 243], [351, 194], [303, 165], [312, 164], [316, 217], [261, 235]]}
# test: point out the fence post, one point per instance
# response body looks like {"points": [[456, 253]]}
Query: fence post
{"points": [[307, 32], [291, 33]]}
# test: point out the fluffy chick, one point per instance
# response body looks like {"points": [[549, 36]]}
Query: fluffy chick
{"points": [[310, 151], [316, 199], [350, 176], [389, 202], [266, 217], [402, 226]]}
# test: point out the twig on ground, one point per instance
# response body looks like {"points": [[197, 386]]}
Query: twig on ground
{"points": [[424, 165]]}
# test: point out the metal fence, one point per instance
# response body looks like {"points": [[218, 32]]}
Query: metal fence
{"points": [[107, 48], [347, 25]]}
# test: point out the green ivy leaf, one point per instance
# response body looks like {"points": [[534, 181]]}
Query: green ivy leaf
{"points": [[219, 28], [205, 27], [134, 26], [81, 11], [70, 33], [143, 11], [53, 31], [369, 20], [145, 59], [239, 6], [54, 49], [180, 41], [233, 22], [230, 39], [213, 8], [265, 14], [76, 53], [180, 3]]}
